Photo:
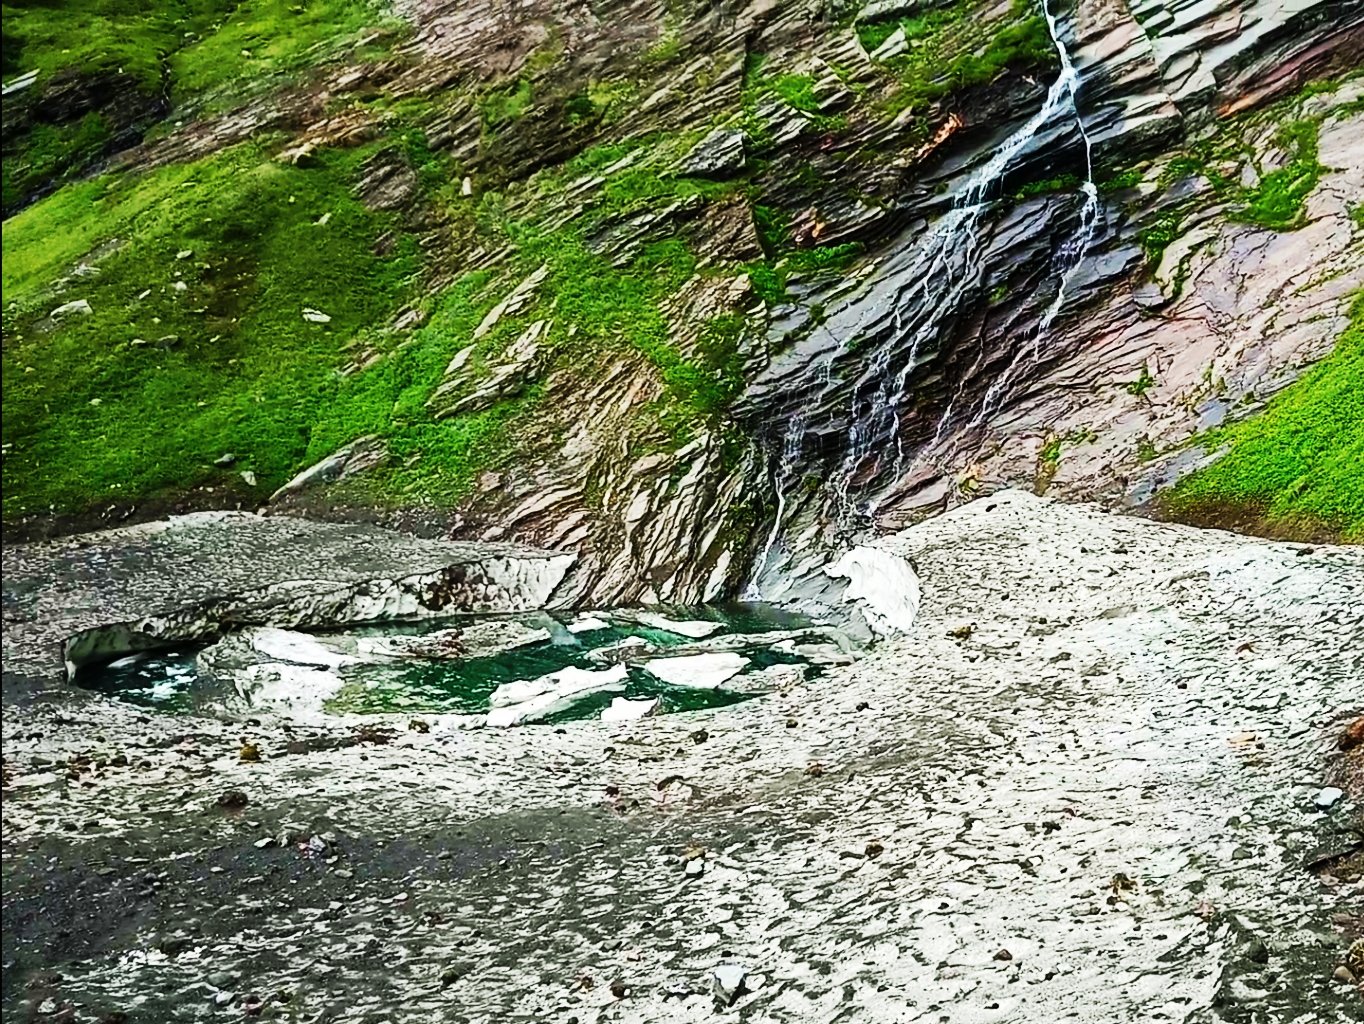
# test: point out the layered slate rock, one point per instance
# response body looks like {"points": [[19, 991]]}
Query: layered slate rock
{"points": [[795, 132]]}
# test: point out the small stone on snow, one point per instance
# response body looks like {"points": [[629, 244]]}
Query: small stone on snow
{"points": [[1329, 797]]}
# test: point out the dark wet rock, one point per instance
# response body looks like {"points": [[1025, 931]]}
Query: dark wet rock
{"points": [[233, 799], [718, 155]]}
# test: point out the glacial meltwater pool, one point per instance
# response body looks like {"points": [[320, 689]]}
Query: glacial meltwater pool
{"points": [[711, 657]]}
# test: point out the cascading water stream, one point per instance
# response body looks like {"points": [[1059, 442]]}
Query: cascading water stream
{"points": [[949, 267], [945, 269], [1070, 255], [786, 467]]}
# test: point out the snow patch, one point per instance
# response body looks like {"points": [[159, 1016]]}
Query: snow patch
{"points": [[699, 671], [884, 584]]}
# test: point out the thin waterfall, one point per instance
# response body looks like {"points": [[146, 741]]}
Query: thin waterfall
{"points": [[946, 267], [949, 265], [781, 482], [1069, 256], [1072, 252]]}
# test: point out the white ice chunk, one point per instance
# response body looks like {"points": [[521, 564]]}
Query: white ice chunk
{"points": [[884, 584], [623, 709], [527, 700], [295, 691], [587, 624], [700, 671], [694, 628], [131, 659], [298, 648]]}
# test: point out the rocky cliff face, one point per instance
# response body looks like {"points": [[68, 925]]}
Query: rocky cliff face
{"points": [[700, 292]]}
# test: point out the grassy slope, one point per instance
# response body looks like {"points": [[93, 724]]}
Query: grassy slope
{"points": [[1300, 459], [96, 409], [93, 414], [202, 53], [202, 44]]}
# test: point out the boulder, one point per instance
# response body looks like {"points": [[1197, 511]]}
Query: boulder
{"points": [[719, 155], [361, 454], [77, 307]]}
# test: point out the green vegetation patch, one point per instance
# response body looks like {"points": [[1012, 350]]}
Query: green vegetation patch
{"points": [[500, 107], [51, 153], [198, 54], [1277, 200], [197, 343], [191, 46], [609, 306], [432, 459], [1299, 459], [955, 48]]}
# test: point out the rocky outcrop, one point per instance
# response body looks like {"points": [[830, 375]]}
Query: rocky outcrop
{"points": [[1231, 314], [898, 271], [147, 587]]}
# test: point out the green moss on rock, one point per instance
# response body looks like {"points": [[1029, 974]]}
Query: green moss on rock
{"points": [[1298, 461]]}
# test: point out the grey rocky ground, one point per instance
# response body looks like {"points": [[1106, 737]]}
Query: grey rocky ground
{"points": [[1083, 789]]}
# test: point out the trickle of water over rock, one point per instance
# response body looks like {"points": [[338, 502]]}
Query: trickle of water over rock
{"points": [[934, 279], [1068, 257]]}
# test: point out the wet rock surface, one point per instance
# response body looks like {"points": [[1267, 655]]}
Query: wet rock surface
{"points": [[1111, 777]]}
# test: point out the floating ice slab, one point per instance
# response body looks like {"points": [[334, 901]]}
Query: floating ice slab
{"points": [[588, 624], [530, 699], [694, 628], [298, 648], [884, 584], [702, 671], [623, 709]]}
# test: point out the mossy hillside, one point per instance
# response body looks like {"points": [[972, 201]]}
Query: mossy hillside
{"points": [[195, 54], [197, 344], [955, 48], [188, 47], [131, 36], [594, 308], [51, 153], [1298, 461]]}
